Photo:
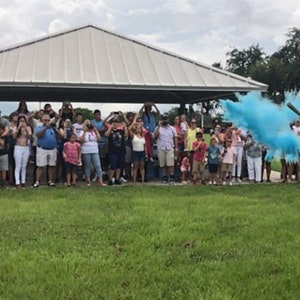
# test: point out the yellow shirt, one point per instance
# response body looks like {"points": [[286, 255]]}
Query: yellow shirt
{"points": [[191, 137]]}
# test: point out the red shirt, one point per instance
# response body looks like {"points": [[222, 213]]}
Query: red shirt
{"points": [[199, 154]]}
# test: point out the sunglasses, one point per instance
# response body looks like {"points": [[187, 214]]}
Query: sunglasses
{"points": [[47, 120]]}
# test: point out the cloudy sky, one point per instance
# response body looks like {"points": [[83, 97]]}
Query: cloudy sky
{"points": [[201, 30]]}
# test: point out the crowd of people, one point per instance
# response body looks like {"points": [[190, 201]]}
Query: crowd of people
{"points": [[124, 147]]}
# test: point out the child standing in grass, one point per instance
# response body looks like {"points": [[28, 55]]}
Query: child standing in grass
{"points": [[72, 157], [229, 157], [213, 152], [199, 148], [185, 167]]}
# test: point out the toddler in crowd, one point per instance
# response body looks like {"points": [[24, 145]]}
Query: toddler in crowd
{"points": [[183, 124], [185, 167], [229, 157]]}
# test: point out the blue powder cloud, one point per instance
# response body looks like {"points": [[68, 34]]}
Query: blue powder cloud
{"points": [[268, 122]]}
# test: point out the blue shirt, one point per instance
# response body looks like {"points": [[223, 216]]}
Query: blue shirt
{"points": [[100, 125], [48, 140], [213, 155], [149, 121]]}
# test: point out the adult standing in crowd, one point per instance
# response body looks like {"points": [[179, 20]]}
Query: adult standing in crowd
{"points": [[166, 146], [254, 159], [101, 126], [238, 144], [90, 152], [190, 137], [116, 134], [13, 118], [139, 153], [46, 152], [22, 137], [23, 110], [66, 112], [149, 118], [6, 126]]}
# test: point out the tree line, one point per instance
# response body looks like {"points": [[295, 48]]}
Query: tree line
{"points": [[280, 71]]}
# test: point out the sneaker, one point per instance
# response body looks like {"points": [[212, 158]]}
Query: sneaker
{"points": [[122, 179], [172, 180], [214, 183], [210, 183], [113, 179], [230, 183], [184, 182], [118, 182], [36, 184], [110, 182], [224, 183], [238, 180], [51, 183], [165, 179]]}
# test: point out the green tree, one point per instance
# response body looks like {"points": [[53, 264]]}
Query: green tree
{"points": [[285, 64], [86, 113], [244, 62]]}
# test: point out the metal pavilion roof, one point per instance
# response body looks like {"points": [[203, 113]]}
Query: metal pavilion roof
{"points": [[92, 64]]}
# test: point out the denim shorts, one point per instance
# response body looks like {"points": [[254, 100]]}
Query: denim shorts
{"points": [[138, 156]]}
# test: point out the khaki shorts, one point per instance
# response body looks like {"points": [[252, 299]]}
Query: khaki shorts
{"points": [[165, 158], [198, 166], [226, 167], [46, 157]]}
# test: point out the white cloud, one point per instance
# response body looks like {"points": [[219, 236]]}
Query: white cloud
{"points": [[202, 30]]}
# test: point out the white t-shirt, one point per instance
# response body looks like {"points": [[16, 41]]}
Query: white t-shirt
{"points": [[138, 143], [90, 144], [78, 129]]}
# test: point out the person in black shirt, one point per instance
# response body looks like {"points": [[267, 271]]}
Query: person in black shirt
{"points": [[116, 135]]}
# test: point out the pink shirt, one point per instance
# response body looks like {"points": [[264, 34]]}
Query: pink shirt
{"points": [[229, 155], [72, 152]]}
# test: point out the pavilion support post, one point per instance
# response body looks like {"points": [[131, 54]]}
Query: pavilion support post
{"points": [[182, 108]]}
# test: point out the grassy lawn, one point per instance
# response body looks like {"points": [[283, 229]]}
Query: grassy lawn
{"points": [[151, 242]]}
